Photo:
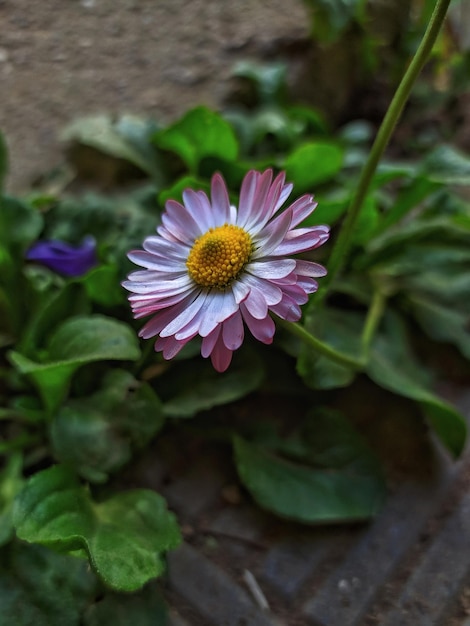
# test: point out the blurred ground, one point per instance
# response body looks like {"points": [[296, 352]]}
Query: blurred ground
{"points": [[60, 59]]}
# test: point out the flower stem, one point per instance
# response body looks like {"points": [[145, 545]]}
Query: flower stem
{"points": [[373, 318], [321, 347], [344, 241]]}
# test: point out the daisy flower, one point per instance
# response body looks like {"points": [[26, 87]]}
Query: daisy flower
{"points": [[213, 268]]}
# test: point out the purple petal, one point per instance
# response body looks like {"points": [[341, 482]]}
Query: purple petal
{"points": [[63, 258]]}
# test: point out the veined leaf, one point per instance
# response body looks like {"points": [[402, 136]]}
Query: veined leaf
{"points": [[394, 367], [201, 132], [124, 537], [77, 341]]}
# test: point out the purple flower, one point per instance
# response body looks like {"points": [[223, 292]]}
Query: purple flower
{"points": [[64, 258], [214, 268]]}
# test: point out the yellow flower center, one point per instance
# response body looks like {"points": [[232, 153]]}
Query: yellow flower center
{"points": [[218, 256]]}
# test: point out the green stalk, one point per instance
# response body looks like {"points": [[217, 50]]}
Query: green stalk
{"points": [[321, 347], [374, 315], [344, 241]]}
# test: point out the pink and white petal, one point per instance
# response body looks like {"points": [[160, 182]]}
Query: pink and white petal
{"points": [[155, 325], [153, 262], [162, 288], [271, 268], [209, 342], [180, 223], [220, 200], [185, 316], [142, 308], [287, 309], [309, 268], [297, 293], [220, 306], [290, 279], [307, 284], [263, 330], [256, 304], [197, 203], [272, 235], [221, 356], [217, 307], [169, 346], [240, 290], [300, 240], [167, 236], [285, 193], [255, 187], [233, 331], [267, 203], [301, 209], [271, 291], [166, 249]]}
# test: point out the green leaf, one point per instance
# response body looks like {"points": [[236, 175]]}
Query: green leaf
{"points": [[443, 323], [191, 388], [11, 481], [40, 587], [96, 435], [201, 132], [49, 312], [144, 608], [102, 286], [19, 223], [78, 341], [407, 200], [332, 17], [124, 537], [175, 192], [394, 367], [447, 165], [396, 241], [269, 79], [329, 209], [339, 329], [367, 221], [128, 138], [313, 163], [3, 160], [448, 286], [341, 483]]}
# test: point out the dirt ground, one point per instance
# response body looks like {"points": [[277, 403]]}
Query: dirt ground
{"points": [[63, 59]]}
